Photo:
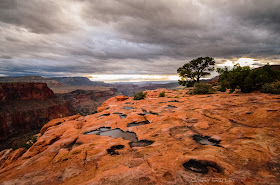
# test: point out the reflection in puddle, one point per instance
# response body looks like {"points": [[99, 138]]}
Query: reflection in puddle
{"points": [[206, 140], [117, 133], [150, 112], [128, 108]]}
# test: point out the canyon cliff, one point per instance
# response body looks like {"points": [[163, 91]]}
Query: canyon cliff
{"points": [[25, 108], [177, 139], [86, 102]]}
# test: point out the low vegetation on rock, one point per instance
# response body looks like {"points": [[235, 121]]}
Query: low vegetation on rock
{"points": [[272, 88], [139, 95], [162, 94], [246, 79], [203, 88]]}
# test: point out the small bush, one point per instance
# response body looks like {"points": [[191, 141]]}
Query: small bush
{"points": [[162, 94], [203, 88], [272, 88], [176, 96], [222, 87], [139, 95]]}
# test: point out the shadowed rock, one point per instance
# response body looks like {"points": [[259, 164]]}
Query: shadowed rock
{"points": [[135, 124], [202, 166], [112, 151]]}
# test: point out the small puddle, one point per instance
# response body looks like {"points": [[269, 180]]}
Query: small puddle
{"points": [[171, 107], [121, 115], [128, 108], [206, 140], [117, 133], [135, 124], [101, 129], [174, 101], [202, 166], [150, 112], [103, 115]]}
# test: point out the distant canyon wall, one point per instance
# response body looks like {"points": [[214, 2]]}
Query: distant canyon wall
{"points": [[25, 107]]}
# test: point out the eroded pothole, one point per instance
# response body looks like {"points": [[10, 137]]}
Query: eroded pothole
{"points": [[112, 150], [117, 133], [128, 108], [202, 166], [206, 140]]}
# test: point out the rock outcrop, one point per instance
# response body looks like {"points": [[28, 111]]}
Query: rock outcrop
{"points": [[25, 108], [200, 139]]}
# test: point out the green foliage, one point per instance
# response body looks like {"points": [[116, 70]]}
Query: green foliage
{"points": [[272, 88], [162, 94], [222, 87], [203, 88], [192, 71], [139, 95], [176, 96], [244, 78]]}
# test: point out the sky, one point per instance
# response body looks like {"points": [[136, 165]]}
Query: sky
{"points": [[124, 40]]}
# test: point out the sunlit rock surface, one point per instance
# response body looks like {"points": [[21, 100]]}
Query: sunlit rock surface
{"points": [[201, 139]]}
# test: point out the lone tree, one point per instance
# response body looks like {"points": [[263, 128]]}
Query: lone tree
{"points": [[195, 69]]}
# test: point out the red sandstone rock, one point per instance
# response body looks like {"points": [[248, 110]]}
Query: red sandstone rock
{"points": [[247, 151], [121, 98]]}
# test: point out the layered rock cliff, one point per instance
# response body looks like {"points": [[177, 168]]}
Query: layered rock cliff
{"points": [[86, 102], [24, 91], [26, 107], [200, 139]]}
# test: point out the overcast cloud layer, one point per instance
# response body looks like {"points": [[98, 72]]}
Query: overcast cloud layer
{"points": [[82, 37]]}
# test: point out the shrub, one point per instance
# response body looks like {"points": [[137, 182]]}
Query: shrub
{"points": [[162, 94], [203, 88], [176, 96], [222, 87], [272, 88], [246, 79], [139, 95]]}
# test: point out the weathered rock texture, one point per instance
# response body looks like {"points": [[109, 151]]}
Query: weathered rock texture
{"points": [[201, 139], [25, 107]]}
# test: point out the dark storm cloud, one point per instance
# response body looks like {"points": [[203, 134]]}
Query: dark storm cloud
{"points": [[133, 36], [37, 16]]}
